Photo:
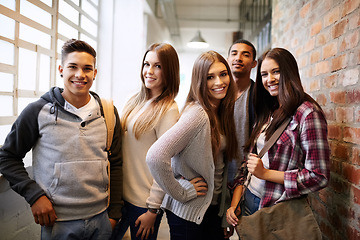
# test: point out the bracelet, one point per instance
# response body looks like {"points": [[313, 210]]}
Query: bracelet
{"points": [[155, 210]]}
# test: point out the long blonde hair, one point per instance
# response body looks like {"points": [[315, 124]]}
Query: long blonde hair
{"points": [[169, 62], [222, 120]]}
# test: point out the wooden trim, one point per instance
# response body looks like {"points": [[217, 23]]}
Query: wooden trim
{"points": [[77, 27], [43, 6], [29, 94], [7, 68], [77, 8], [24, 20]]}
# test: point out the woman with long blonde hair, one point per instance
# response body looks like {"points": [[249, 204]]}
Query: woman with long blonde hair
{"points": [[188, 161], [146, 116]]}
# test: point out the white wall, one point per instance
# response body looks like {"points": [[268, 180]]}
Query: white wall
{"points": [[103, 80], [127, 29], [121, 47], [187, 60]]}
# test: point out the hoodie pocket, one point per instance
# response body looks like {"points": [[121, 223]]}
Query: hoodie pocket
{"points": [[79, 181]]}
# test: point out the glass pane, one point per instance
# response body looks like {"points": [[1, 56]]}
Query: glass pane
{"points": [[67, 30], [6, 82], [34, 36], [6, 106], [27, 69], [8, 3], [7, 28], [88, 25], [44, 75], [89, 9], [23, 102], [47, 2], [69, 12], [35, 13], [88, 40], [4, 131], [7, 53]]}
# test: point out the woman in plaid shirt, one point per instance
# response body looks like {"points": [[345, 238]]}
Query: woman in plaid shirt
{"points": [[298, 163]]}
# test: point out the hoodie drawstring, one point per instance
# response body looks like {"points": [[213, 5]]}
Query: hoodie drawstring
{"points": [[54, 109]]}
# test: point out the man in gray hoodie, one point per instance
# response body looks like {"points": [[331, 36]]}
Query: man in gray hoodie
{"points": [[66, 131]]}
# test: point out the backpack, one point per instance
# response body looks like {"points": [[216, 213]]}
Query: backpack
{"points": [[109, 116]]}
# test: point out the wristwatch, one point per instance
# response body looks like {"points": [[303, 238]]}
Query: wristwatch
{"points": [[155, 210]]}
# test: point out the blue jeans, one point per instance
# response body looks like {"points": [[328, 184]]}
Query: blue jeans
{"points": [[181, 229], [130, 214], [98, 227], [251, 203], [211, 225]]}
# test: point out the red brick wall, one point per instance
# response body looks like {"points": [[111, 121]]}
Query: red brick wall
{"points": [[324, 36]]}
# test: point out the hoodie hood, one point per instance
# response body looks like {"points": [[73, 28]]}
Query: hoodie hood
{"points": [[54, 97], [57, 101]]}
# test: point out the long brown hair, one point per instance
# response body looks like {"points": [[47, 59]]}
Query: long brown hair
{"points": [[169, 62], [222, 120], [291, 94]]}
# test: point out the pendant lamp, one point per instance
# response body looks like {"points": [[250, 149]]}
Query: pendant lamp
{"points": [[197, 41]]}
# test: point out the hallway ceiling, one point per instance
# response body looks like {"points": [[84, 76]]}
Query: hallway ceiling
{"points": [[216, 19], [208, 13]]}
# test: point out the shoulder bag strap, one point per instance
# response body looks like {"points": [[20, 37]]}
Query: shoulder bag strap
{"points": [[274, 138], [266, 148], [108, 109], [109, 116]]}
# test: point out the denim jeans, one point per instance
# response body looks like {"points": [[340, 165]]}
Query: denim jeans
{"points": [[211, 225], [209, 229], [181, 229], [130, 214], [96, 228], [251, 203]]}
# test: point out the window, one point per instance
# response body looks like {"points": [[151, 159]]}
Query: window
{"points": [[31, 35], [257, 22]]}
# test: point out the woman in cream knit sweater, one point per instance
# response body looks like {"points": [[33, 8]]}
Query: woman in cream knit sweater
{"points": [[146, 116]]}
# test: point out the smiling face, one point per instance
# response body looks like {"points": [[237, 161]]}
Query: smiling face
{"points": [[241, 59], [270, 75], [218, 81], [78, 71], [152, 74]]}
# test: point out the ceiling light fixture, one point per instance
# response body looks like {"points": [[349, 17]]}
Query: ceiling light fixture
{"points": [[198, 41]]}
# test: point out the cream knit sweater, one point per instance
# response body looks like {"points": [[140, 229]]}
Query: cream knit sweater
{"points": [[181, 154], [139, 188]]}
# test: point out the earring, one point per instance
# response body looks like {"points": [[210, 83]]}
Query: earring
{"points": [[61, 75]]}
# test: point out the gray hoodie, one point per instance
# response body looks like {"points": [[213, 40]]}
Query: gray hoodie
{"points": [[69, 158]]}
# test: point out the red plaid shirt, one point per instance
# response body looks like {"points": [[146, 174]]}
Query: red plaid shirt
{"points": [[302, 152]]}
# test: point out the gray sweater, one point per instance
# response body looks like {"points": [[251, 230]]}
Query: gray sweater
{"points": [[179, 155]]}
